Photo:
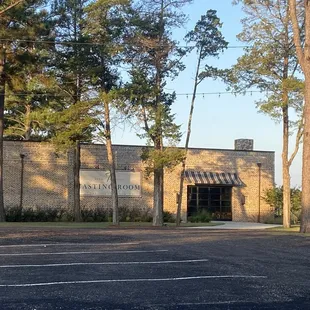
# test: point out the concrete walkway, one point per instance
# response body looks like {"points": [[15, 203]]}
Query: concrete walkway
{"points": [[237, 225]]}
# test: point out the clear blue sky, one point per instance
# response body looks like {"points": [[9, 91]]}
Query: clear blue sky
{"points": [[219, 120]]}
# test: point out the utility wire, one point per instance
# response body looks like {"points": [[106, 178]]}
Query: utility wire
{"points": [[62, 42], [91, 43], [219, 93], [74, 43], [51, 42], [222, 93]]}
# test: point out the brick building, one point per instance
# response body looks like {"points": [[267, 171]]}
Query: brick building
{"points": [[227, 183]]}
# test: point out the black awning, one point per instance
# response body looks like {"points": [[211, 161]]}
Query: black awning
{"points": [[213, 178]]}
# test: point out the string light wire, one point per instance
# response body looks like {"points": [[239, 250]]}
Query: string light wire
{"points": [[219, 93]]}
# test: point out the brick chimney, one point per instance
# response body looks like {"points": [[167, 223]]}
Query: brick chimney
{"points": [[244, 144]]}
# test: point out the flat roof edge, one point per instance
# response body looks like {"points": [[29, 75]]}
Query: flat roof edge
{"points": [[140, 146]]}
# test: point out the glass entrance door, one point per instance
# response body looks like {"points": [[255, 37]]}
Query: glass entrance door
{"points": [[215, 200]]}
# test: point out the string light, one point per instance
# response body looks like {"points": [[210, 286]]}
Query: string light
{"points": [[177, 94], [91, 43], [221, 93], [103, 44]]}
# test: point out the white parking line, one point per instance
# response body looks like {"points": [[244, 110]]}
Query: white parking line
{"points": [[110, 263], [133, 280], [192, 304], [76, 253], [66, 244]]}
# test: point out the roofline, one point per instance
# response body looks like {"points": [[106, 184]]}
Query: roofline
{"points": [[197, 148], [140, 146]]}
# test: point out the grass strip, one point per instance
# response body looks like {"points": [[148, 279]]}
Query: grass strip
{"points": [[94, 224]]}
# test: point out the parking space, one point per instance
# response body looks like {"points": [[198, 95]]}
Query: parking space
{"points": [[153, 269]]}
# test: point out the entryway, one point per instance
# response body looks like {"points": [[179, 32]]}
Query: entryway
{"points": [[215, 200]]}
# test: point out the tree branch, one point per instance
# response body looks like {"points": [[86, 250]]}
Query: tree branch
{"points": [[296, 31], [299, 135], [15, 120], [11, 6]]}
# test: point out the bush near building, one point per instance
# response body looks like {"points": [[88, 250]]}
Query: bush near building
{"points": [[200, 217], [274, 197], [52, 214]]}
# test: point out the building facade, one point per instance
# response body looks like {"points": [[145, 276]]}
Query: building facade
{"points": [[229, 184]]}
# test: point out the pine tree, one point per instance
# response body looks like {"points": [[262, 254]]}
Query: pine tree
{"points": [[106, 24], [20, 25], [154, 58], [208, 42], [271, 66], [69, 120]]}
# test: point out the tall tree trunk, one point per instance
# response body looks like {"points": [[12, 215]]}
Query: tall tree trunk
{"points": [[111, 160], [22, 167], [77, 149], [286, 191], [76, 172], [305, 63], [286, 196], [189, 126], [158, 198], [2, 98], [285, 163], [305, 201], [303, 55], [285, 134]]}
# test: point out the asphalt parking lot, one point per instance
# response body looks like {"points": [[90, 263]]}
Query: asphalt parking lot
{"points": [[46, 268]]}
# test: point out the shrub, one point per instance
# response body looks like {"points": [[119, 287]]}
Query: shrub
{"points": [[66, 216], [200, 217], [134, 215], [273, 220], [95, 215], [37, 214], [274, 197], [126, 214], [168, 217], [53, 214], [32, 214], [13, 214]]}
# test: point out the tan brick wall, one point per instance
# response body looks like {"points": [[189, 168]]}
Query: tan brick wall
{"points": [[244, 163], [45, 175], [48, 176]]}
